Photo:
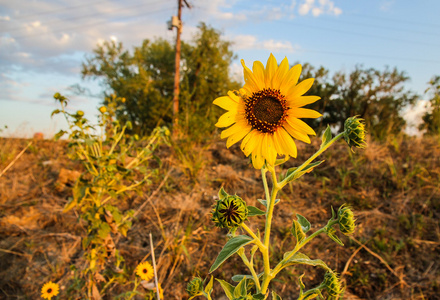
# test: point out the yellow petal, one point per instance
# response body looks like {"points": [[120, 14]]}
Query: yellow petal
{"points": [[226, 102], [280, 73], [300, 89], [287, 142], [268, 149], [291, 78], [249, 143], [300, 125], [227, 119], [302, 100], [258, 69], [278, 145], [257, 158], [271, 68], [298, 112], [237, 127], [296, 134], [249, 79], [234, 138]]}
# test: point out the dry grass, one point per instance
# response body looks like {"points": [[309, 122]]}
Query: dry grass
{"points": [[393, 187]]}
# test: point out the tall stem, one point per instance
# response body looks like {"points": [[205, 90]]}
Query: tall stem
{"points": [[269, 214]]}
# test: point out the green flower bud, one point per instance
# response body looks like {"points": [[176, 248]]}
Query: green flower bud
{"points": [[354, 132], [195, 286], [80, 113], [346, 220], [229, 212], [332, 284]]}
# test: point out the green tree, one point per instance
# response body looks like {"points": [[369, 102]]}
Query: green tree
{"points": [[377, 96], [431, 119], [145, 79]]}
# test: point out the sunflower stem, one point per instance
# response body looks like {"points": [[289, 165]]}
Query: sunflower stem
{"points": [[267, 277]]}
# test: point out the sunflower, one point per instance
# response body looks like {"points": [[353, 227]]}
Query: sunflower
{"points": [[145, 271], [49, 290], [265, 113]]}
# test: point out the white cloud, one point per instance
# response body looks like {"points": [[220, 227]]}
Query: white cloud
{"points": [[413, 116], [317, 8], [243, 42]]}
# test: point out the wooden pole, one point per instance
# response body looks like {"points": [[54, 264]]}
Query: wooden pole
{"points": [[177, 73]]}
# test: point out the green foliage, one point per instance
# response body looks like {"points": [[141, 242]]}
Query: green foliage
{"points": [[374, 95], [431, 119], [116, 164], [145, 78], [231, 247]]}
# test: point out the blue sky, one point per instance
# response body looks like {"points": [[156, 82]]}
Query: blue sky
{"points": [[43, 43]]}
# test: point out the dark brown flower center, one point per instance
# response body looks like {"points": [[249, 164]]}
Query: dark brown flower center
{"points": [[266, 110], [145, 271], [230, 213], [49, 290]]}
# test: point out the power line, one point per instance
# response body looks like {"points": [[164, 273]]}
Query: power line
{"points": [[382, 27], [372, 56], [406, 21]]}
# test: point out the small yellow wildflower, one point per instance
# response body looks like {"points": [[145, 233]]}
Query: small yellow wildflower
{"points": [[145, 271], [49, 290]]}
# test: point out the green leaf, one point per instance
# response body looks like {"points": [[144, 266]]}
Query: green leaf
{"points": [[238, 278], [275, 296], [295, 175], [228, 288], [301, 283], [305, 224], [56, 111], [71, 204], [59, 135], [258, 296], [290, 171], [297, 231], [300, 258], [335, 238], [230, 248], [333, 213], [240, 289], [264, 202], [327, 136], [253, 211], [208, 287], [104, 230], [222, 193]]}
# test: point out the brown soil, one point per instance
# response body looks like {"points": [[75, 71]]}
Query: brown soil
{"points": [[393, 187]]}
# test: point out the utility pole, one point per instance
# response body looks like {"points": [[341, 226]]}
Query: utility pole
{"points": [[177, 22]]}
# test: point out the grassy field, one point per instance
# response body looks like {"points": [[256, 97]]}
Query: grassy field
{"points": [[393, 187]]}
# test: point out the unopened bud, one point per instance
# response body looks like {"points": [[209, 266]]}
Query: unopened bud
{"points": [[103, 109], [195, 286], [332, 284], [346, 220], [354, 132], [230, 212]]}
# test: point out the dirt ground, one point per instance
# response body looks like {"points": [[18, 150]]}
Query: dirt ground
{"points": [[393, 187]]}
